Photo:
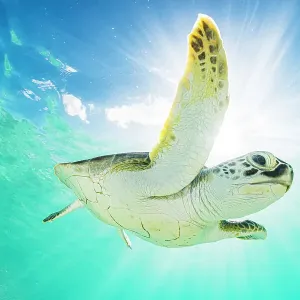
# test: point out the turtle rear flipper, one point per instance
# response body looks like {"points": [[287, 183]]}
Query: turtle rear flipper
{"points": [[76, 204], [125, 238], [244, 230], [73, 206]]}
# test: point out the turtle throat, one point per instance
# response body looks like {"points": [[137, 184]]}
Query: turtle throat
{"points": [[204, 205]]}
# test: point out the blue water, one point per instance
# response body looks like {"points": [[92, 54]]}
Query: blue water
{"points": [[95, 51]]}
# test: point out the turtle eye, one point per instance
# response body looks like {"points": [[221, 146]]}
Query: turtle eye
{"points": [[259, 159], [263, 160]]}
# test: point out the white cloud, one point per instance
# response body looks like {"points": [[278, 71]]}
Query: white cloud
{"points": [[91, 106], [44, 85], [74, 107], [30, 95], [150, 112], [69, 69]]}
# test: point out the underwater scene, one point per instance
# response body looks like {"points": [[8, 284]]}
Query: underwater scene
{"points": [[149, 149]]}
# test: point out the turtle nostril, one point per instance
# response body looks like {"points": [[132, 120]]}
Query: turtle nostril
{"points": [[281, 169]]}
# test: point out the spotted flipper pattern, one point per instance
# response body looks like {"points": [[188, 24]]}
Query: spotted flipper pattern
{"points": [[244, 230]]}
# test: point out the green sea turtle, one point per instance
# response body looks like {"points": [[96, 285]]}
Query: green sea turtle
{"points": [[168, 196]]}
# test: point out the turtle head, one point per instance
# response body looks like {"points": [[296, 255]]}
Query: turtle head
{"points": [[250, 183]]}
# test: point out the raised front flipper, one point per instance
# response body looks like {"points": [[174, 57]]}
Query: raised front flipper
{"points": [[244, 230], [196, 115], [76, 204]]}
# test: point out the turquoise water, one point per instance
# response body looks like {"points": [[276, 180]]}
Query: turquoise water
{"points": [[78, 257]]}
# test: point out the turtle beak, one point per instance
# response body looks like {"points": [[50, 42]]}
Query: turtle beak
{"points": [[287, 176], [291, 177], [283, 174]]}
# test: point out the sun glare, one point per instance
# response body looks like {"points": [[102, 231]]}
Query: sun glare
{"points": [[257, 89], [256, 57]]}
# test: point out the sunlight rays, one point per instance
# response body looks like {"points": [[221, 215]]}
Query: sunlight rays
{"points": [[258, 69]]}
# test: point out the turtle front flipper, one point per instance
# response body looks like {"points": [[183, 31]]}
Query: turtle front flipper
{"points": [[244, 230], [76, 204]]}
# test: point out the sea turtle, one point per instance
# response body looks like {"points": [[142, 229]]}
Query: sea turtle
{"points": [[168, 196]]}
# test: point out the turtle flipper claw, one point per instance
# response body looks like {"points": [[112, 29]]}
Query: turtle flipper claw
{"points": [[51, 217]]}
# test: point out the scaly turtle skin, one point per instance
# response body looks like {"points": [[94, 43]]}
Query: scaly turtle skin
{"points": [[168, 197]]}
